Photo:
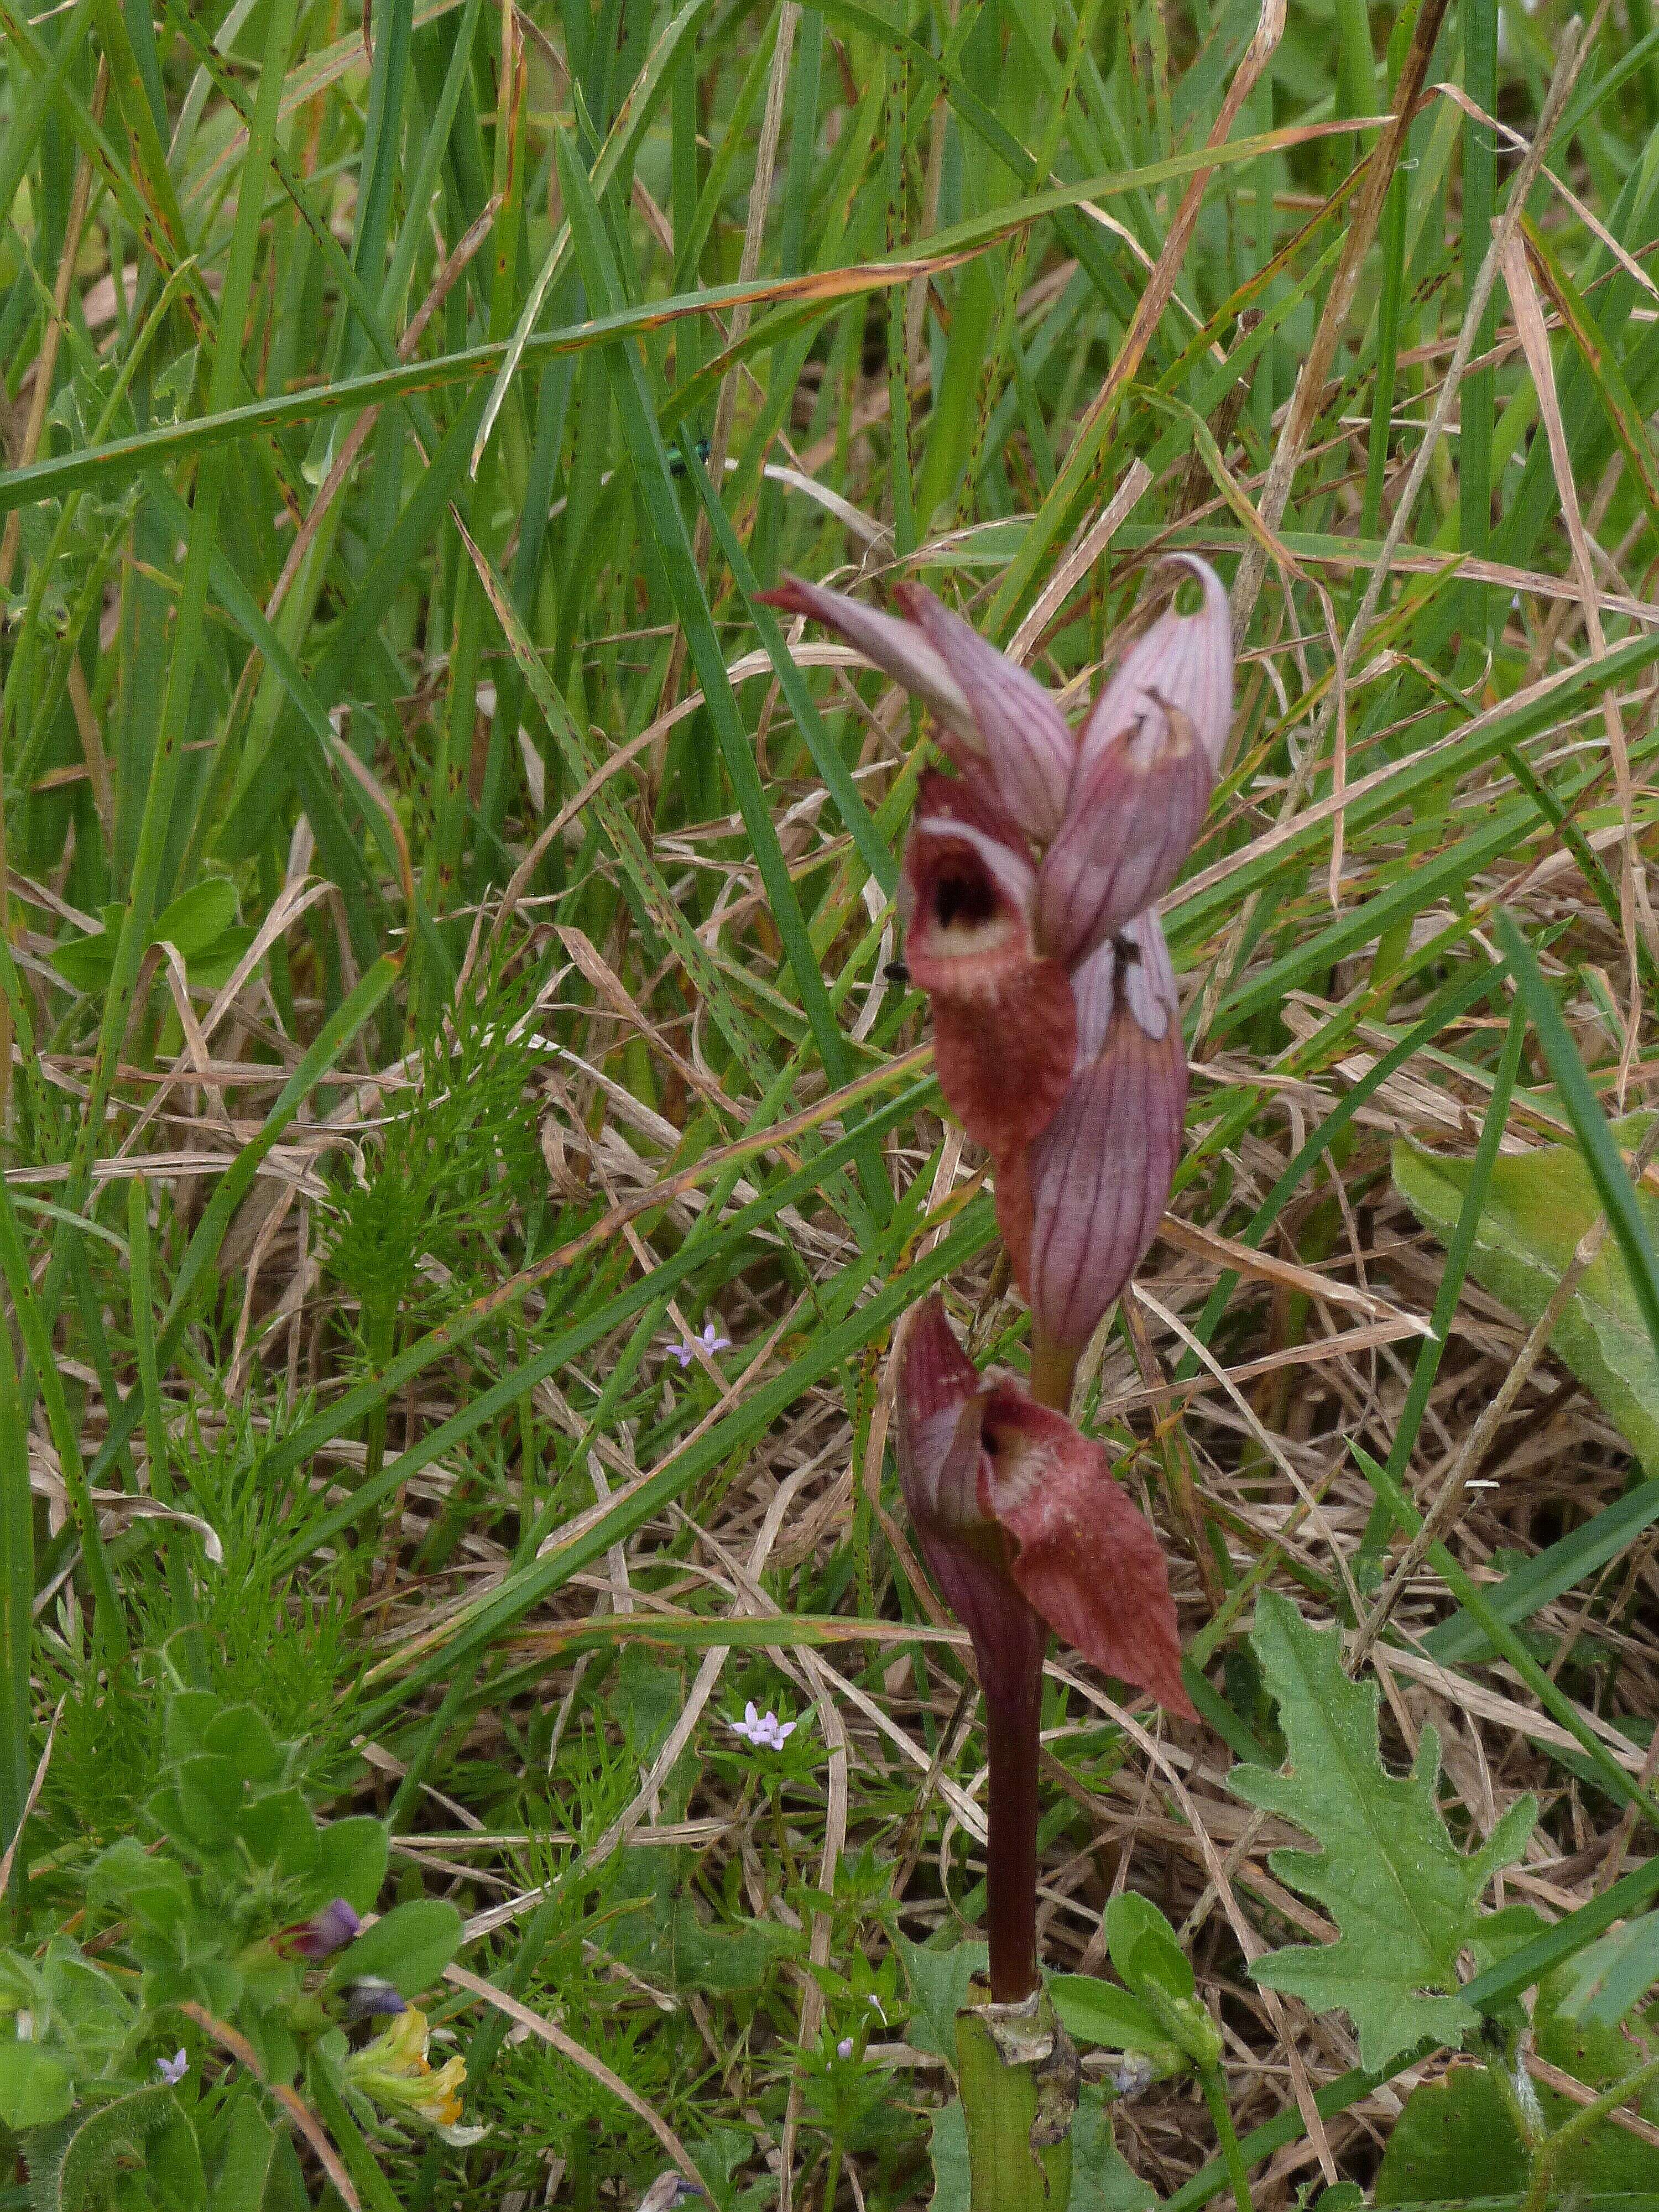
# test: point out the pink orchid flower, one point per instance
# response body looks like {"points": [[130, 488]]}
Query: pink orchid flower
{"points": [[1023, 1527], [1025, 1530], [1027, 899]]}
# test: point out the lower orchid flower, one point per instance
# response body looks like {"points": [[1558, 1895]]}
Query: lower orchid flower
{"points": [[1025, 1531]]}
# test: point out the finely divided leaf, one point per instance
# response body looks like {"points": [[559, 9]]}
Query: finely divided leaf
{"points": [[1406, 1900]]}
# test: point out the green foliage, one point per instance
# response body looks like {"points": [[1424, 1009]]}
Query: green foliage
{"points": [[1455, 2136], [939, 1988], [450, 1169], [201, 925], [1101, 2180], [222, 1914], [1612, 1978], [1538, 1207], [1404, 1898]]}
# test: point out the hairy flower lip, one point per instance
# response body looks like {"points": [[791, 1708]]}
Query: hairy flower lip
{"points": [[1005, 1022], [1024, 1526]]}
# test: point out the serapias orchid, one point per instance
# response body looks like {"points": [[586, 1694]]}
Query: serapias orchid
{"points": [[1025, 1530], [1027, 897], [1024, 1526]]}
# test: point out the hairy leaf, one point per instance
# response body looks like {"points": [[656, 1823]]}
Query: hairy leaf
{"points": [[1454, 2137], [1404, 1898]]}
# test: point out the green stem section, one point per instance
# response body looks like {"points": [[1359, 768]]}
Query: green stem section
{"points": [[1054, 1370], [1215, 2096], [1019, 2076]]}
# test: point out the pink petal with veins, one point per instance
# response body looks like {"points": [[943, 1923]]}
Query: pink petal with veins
{"points": [[898, 648], [1184, 662], [1025, 739], [1134, 816], [1102, 1169]]}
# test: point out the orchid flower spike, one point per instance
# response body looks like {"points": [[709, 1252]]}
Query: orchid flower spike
{"points": [[1025, 1529], [1056, 1026]]}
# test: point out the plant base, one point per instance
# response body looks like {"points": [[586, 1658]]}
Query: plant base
{"points": [[1018, 2074]]}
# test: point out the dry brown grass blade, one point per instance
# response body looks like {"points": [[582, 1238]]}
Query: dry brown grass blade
{"points": [[1633, 878]]}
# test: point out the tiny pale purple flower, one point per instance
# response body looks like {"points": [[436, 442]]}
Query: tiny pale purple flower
{"points": [[844, 2048], [710, 1342], [325, 1933], [764, 1730], [369, 1998], [173, 2070]]}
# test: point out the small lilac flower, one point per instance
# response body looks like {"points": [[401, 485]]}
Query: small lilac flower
{"points": [[367, 1999], [173, 2069], [844, 2048], [764, 1730], [325, 1933], [710, 1341]]}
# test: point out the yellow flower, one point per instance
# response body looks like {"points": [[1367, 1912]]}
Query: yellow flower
{"points": [[395, 2071]]}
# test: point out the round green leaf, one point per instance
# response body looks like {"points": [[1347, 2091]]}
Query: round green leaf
{"points": [[35, 2088]]}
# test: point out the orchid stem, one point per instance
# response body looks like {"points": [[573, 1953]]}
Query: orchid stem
{"points": [[1053, 1371], [1011, 1730]]}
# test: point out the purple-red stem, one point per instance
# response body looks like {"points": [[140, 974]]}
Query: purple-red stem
{"points": [[1011, 1726]]}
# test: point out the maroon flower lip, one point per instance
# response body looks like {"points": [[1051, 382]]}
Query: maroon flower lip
{"points": [[1024, 1527], [1027, 895]]}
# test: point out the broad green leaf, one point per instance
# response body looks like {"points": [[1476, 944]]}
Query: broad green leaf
{"points": [[409, 1947], [250, 2147], [351, 1862], [1539, 1205], [1454, 2137], [1094, 2011], [1405, 1900], [36, 2086], [201, 925], [947, 2147], [1144, 1946], [938, 1985]]}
